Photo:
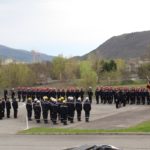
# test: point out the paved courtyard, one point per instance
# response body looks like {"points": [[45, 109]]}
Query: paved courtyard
{"points": [[102, 117]]}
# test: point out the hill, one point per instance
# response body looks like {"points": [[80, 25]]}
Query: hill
{"points": [[21, 55], [126, 46]]}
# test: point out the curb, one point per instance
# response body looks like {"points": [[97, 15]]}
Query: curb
{"points": [[103, 133]]}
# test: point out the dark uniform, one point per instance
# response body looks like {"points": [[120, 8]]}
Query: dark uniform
{"points": [[118, 98], [12, 94], [82, 94], [29, 108], [78, 107], [59, 103], [8, 107], [4, 106], [19, 94], [71, 109], [45, 108], [77, 94], [1, 110], [24, 94], [15, 107], [64, 112], [5, 94], [97, 95], [37, 110], [87, 109], [34, 104], [54, 111], [90, 94]]}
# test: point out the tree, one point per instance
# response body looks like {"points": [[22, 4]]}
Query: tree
{"points": [[71, 69], [120, 64], [144, 71], [41, 70], [58, 67], [88, 76], [109, 66], [112, 65], [13, 75]]}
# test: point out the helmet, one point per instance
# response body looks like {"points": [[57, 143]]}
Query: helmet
{"points": [[29, 98], [71, 98], [38, 101], [35, 100], [64, 101], [59, 99], [79, 98], [87, 98], [45, 97], [62, 98]]}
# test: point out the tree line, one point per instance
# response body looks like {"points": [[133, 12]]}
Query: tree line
{"points": [[88, 72]]}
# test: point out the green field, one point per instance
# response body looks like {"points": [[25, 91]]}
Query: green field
{"points": [[140, 128]]}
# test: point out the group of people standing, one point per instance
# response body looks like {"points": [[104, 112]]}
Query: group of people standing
{"points": [[61, 104], [58, 110], [122, 95], [26, 92], [5, 107]]}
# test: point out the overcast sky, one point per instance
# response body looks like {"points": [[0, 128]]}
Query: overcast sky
{"points": [[69, 27]]}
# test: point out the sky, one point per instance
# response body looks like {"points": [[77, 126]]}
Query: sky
{"points": [[69, 27]]}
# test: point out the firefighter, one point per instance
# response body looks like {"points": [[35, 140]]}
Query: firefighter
{"points": [[5, 94], [71, 109], [78, 107], [29, 108], [64, 112], [1, 109], [4, 106], [54, 109], [34, 104], [19, 94], [87, 109], [90, 94], [12, 93], [45, 108], [15, 107], [82, 94], [97, 95], [37, 110], [8, 107]]}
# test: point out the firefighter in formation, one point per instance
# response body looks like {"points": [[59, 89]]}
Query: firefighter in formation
{"points": [[57, 110], [25, 92], [60, 104], [6, 106], [122, 96]]}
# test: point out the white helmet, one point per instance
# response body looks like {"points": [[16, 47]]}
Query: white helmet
{"points": [[71, 98], [38, 101], [87, 98], [35, 100], [79, 98]]}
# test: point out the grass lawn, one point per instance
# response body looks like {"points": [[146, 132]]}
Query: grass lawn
{"points": [[140, 128]]}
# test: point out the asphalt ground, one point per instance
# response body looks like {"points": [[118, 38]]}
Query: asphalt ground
{"points": [[60, 142], [102, 117]]}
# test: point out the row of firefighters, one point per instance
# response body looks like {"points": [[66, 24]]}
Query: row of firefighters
{"points": [[58, 109], [6, 105], [102, 94], [61, 109]]}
